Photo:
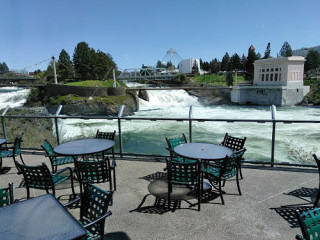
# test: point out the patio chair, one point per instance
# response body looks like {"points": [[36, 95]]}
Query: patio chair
{"points": [[235, 144], [110, 136], [318, 195], [93, 209], [184, 173], [99, 171], [39, 177], [55, 160], [217, 172], [309, 223], [6, 195], [12, 151], [172, 143]]}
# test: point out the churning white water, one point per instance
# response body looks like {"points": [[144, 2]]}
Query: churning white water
{"points": [[293, 141], [13, 96]]}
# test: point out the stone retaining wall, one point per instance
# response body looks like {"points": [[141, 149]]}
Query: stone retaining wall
{"points": [[58, 90]]}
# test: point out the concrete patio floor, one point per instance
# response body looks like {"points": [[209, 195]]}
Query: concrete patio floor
{"points": [[264, 211]]}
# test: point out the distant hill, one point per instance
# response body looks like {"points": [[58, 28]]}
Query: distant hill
{"points": [[304, 51]]}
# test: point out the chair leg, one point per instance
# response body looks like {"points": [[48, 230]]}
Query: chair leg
{"points": [[28, 192], [220, 192], [317, 199], [114, 179], [240, 170], [238, 185]]}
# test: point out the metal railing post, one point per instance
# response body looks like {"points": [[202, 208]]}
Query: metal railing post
{"points": [[190, 123], [273, 116], [119, 128], [56, 123], [3, 123]]}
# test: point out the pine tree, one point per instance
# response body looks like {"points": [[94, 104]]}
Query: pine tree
{"points": [[195, 67], [81, 60], [225, 63], [267, 52], [64, 68], [285, 50]]}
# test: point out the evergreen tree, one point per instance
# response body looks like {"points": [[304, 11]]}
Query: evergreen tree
{"points": [[267, 52], [3, 68], [252, 56], [229, 78], [82, 57], [235, 62], [160, 64], [312, 60], [215, 66], [195, 67], [64, 68], [243, 63], [225, 63], [285, 50]]}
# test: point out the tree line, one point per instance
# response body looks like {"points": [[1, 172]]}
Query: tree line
{"points": [[245, 63], [86, 63]]}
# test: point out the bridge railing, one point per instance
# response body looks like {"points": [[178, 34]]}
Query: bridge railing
{"points": [[188, 123]]}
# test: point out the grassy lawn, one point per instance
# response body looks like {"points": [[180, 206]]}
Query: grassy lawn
{"points": [[215, 79], [94, 83]]}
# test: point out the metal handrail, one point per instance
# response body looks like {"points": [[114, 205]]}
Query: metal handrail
{"points": [[189, 119]]}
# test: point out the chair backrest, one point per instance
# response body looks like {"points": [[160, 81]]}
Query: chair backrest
{"points": [[106, 135], [17, 145], [94, 203], [94, 171], [234, 143], [317, 161], [231, 163], [309, 222], [37, 176], [185, 172], [47, 147], [6, 195], [173, 142]]}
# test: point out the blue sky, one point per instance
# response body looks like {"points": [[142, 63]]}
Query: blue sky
{"points": [[141, 31]]}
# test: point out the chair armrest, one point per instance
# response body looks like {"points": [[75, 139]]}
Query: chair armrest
{"points": [[107, 214], [72, 202], [6, 148], [211, 164], [63, 170], [299, 237]]}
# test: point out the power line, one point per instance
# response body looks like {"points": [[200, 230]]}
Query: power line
{"points": [[37, 63]]}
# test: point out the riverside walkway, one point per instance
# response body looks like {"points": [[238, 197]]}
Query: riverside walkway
{"points": [[264, 211]]}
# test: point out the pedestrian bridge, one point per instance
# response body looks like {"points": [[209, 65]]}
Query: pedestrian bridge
{"points": [[148, 74]]}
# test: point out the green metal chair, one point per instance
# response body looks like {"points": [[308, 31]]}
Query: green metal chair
{"points": [[236, 144], [110, 136], [218, 172], [39, 177], [318, 195], [93, 210], [309, 223], [184, 173], [55, 160], [172, 143], [6, 195], [12, 151], [99, 171]]}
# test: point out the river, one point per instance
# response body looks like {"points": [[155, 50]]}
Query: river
{"points": [[293, 141]]}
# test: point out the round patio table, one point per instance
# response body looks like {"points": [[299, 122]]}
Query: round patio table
{"points": [[203, 151], [84, 147]]}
